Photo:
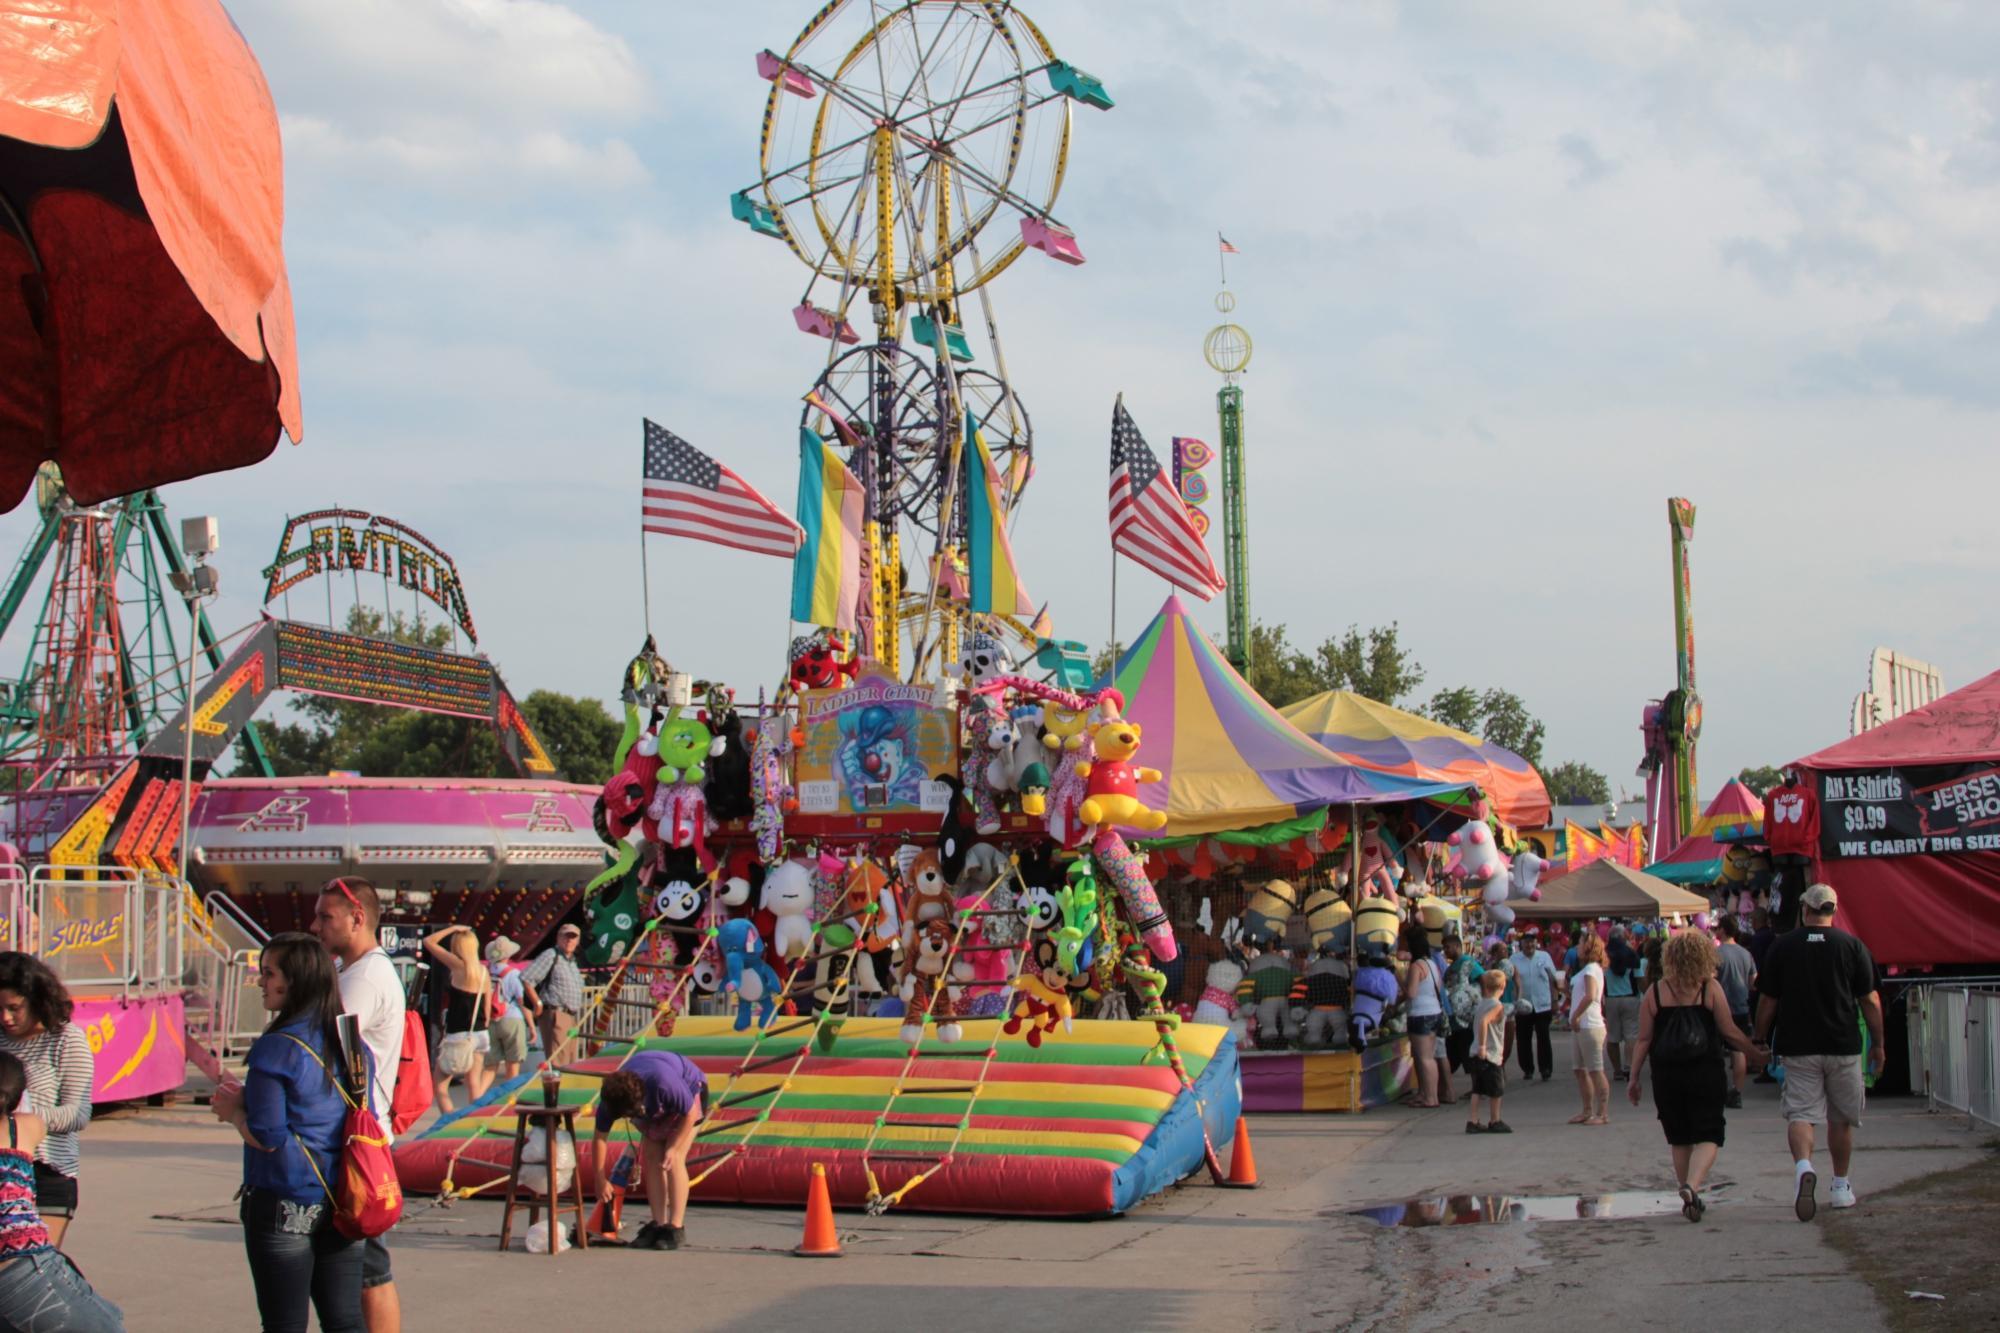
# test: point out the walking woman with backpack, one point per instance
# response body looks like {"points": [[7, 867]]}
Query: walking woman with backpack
{"points": [[292, 1114], [1683, 1025]]}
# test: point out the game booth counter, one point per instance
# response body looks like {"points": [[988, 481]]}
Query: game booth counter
{"points": [[1261, 841]]}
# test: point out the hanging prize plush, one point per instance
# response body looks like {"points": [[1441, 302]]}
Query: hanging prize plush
{"points": [[1375, 989], [978, 717], [1076, 938], [981, 963], [1269, 909], [728, 785], [747, 976], [955, 835], [819, 662], [771, 794], [927, 895], [681, 906], [1126, 869], [1111, 794], [788, 897]]}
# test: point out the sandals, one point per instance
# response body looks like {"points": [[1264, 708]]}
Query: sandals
{"points": [[1692, 1206], [1580, 1118]]}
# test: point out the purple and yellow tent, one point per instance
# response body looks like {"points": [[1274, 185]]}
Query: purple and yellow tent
{"points": [[1230, 760], [1388, 740]]}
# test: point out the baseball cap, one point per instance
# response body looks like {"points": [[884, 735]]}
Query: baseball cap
{"points": [[569, 928], [1819, 898]]}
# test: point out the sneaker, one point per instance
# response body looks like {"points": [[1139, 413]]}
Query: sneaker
{"points": [[1474, 1127], [671, 1238], [1841, 1195], [1805, 1205], [649, 1237], [1546, 1076], [1499, 1127], [1733, 1100]]}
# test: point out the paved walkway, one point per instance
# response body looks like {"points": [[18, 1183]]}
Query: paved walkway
{"points": [[157, 1234]]}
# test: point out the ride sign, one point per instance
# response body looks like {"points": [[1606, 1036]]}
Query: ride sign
{"points": [[1928, 810]]}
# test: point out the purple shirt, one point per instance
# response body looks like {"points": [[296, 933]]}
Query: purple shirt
{"points": [[673, 1084]]}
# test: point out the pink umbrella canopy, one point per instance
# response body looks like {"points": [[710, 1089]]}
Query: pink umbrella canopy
{"points": [[145, 316]]}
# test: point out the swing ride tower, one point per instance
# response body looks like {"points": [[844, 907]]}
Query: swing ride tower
{"points": [[1227, 350], [908, 155]]}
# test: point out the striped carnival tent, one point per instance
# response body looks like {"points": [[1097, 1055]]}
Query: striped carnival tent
{"points": [[1376, 736], [1231, 761], [1697, 859]]}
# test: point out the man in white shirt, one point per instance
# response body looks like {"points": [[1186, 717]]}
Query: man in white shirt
{"points": [[347, 919], [1535, 975]]}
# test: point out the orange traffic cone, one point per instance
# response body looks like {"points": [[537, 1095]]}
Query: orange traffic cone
{"points": [[1242, 1161], [821, 1241]]}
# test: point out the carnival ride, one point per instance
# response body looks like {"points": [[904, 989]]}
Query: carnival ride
{"points": [[1672, 725], [908, 155], [1227, 350]]}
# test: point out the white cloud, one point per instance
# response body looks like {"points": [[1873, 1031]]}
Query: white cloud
{"points": [[451, 158]]}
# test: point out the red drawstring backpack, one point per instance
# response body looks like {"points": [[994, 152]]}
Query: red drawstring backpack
{"points": [[366, 1194], [414, 1088]]}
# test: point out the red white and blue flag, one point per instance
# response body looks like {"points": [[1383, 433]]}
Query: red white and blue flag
{"points": [[689, 494], [1149, 524], [1227, 248]]}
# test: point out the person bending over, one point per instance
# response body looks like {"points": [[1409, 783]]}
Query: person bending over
{"points": [[666, 1097]]}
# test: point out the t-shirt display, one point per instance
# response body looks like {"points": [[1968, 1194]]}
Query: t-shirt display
{"points": [[1791, 820]]}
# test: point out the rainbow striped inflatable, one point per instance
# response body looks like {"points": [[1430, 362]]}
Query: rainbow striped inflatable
{"points": [[1087, 1125]]}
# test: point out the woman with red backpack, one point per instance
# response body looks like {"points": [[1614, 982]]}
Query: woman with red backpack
{"points": [[292, 1114]]}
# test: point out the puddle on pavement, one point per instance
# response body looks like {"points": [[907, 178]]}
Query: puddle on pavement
{"points": [[1445, 1210]]}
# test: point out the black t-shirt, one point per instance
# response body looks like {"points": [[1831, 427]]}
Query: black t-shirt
{"points": [[1818, 975]]}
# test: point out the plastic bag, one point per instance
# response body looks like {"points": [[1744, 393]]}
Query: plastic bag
{"points": [[534, 1164], [538, 1237]]}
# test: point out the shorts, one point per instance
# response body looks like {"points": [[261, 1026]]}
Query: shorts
{"points": [[55, 1193], [1621, 1019], [1588, 1044], [1488, 1079], [1816, 1085], [1742, 1022], [666, 1129], [508, 1040], [1426, 1025], [1458, 1047], [375, 1262]]}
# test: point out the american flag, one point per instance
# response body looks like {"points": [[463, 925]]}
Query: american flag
{"points": [[1227, 248], [689, 494], [1149, 523]]}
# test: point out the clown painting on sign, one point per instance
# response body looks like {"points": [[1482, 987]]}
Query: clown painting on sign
{"points": [[873, 748], [877, 757]]}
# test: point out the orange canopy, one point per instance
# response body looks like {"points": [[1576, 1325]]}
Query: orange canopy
{"points": [[145, 317]]}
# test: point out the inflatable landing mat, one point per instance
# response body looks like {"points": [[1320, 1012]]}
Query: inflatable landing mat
{"points": [[1086, 1125]]}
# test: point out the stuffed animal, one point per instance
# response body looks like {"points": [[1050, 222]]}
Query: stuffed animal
{"points": [[1525, 877], [1126, 870], [1440, 918], [1329, 920], [1064, 729], [1002, 738], [981, 657], [680, 809], [818, 663], [1111, 796], [1034, 789], [1218, 993], [1027, 750], [728, 785], [1076, 938], [614, 922], [871, 917], [977, 721], [683, 745], [1380, 871], [1270, 982], [981, 965], [1268, 911], [1040, 1008], [955, 836], [748, 977], [1375, 989], [988, 871], [771, 793], [1484, 870], [1325, 992], [788, 897], [926, 896], [928, 991], [680, 906], [1376, 924]]}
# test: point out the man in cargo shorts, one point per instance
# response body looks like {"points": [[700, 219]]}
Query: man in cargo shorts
{"points": [[1818, 985]]}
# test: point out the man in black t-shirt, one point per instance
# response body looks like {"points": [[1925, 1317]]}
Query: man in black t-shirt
{"points": [[1818, 985]]}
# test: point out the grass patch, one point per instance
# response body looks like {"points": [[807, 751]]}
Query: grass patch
{"points": [[1931, 1234]]}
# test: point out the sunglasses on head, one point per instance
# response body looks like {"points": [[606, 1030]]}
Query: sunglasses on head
{"points": [[340, 885]]}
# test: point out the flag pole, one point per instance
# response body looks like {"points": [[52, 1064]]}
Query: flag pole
{"points": [[1221, 260], [645, 581], [1114, 558]]}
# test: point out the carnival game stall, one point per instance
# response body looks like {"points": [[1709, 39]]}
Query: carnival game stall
{"points": [[1610, 890]]}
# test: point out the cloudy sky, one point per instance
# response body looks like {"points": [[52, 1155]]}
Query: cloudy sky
{"points": [[1517, 272]]}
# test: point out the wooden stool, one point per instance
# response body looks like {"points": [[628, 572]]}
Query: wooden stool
{"points": [[548, 1117]]}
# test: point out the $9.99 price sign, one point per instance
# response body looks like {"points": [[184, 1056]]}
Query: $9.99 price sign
{"points": [[1928, 810]]}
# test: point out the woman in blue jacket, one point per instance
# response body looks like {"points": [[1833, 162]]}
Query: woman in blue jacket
{"points": [[290, 1113]]}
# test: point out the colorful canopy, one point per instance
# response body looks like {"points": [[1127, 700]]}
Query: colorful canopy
{"points": [[1231, 761], [1698, 857], [145, 317], [1389, 740]]}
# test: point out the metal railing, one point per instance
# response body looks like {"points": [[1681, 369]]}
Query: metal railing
{"points": [[1954, 1032]]}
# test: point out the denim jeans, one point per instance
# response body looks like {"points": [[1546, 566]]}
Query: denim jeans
{"points": [[297, 1257], [42, 1293]]}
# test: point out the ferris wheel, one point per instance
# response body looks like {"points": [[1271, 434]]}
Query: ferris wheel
{"points": [[908, 154]]}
